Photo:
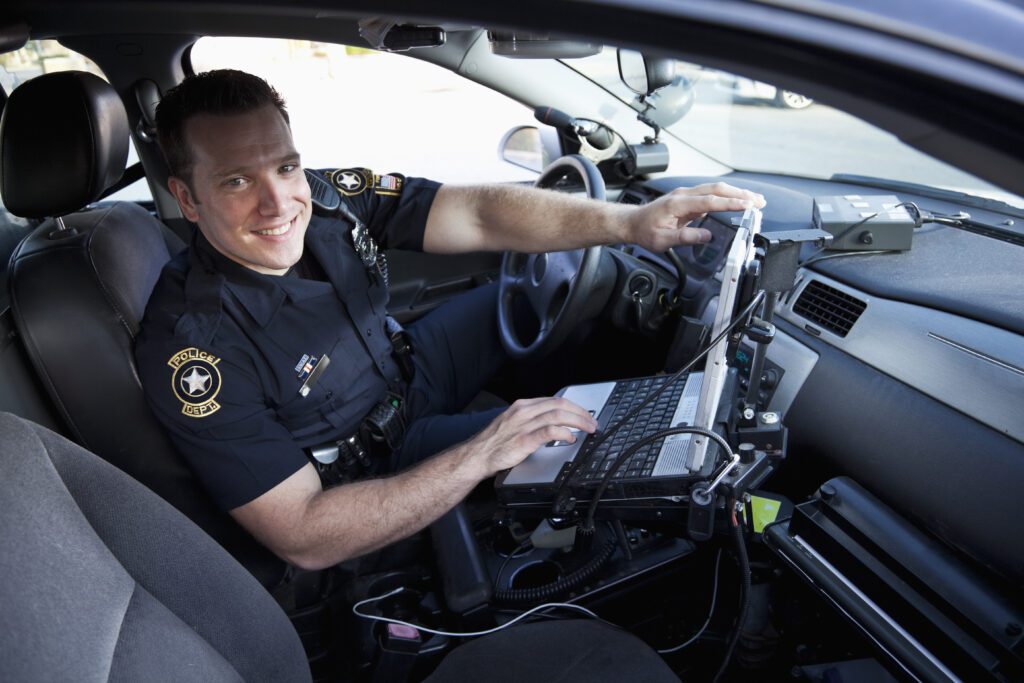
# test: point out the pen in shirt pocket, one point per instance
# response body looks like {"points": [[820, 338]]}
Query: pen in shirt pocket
{"points": [[311, 370]]}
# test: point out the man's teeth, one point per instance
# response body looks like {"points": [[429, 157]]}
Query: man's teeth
{"points": [[274, 231]]}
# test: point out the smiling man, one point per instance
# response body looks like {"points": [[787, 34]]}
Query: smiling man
{"points": [[266, 349]]}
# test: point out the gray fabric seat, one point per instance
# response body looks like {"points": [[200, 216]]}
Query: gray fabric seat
{"points": [[101, 580]]}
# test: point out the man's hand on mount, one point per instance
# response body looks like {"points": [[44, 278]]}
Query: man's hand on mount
{"points": [[664, 223]]}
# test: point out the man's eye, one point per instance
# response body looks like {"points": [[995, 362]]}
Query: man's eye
{"points": [[288, 168], [234, 182]]}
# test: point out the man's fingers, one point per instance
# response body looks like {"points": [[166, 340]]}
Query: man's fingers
{"points": [[664, 223], [688, 235], [538, 422], [689, 207], [548, 433], [568, 418], [723, 190], [526, 410], [529, 424]]}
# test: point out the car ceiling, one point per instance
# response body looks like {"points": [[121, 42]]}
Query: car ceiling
{"points": [[962, 104]]}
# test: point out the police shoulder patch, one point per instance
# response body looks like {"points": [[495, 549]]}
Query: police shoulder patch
{"points": [[352, 181], [195, 381]]}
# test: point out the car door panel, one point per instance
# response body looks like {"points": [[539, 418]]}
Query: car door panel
{"points": [[421, 282]]}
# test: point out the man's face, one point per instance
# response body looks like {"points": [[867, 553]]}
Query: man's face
{"points": [[248, 195]]}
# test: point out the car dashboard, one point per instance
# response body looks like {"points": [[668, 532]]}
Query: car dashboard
{"points": [[898, 376], [902, 370]]}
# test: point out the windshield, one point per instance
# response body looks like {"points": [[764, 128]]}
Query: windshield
{"points": [[753, 126]]}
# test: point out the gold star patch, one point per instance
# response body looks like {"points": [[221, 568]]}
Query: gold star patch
{"points": [[195, 381]]}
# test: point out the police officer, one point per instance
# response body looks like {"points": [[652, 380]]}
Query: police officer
{"points": [[267, 354]]}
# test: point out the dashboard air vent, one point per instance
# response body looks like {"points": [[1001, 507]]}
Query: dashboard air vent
{"points": [[630, 198], [834, 310]]}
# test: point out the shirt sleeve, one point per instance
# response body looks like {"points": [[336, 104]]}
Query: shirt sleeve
{"points": [[393, 207], [211, 404]]}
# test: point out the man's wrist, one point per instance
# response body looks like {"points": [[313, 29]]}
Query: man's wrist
{"points": [[467, 463], [623, 223]]}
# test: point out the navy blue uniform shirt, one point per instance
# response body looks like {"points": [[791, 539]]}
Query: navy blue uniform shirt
{"points": [[224, 350]]}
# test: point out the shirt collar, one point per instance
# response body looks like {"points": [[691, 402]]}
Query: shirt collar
{"points": [[260, 294]]}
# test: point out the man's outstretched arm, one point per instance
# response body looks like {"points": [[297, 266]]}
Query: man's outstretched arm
{"points": [[313, 528], [525, 219]]}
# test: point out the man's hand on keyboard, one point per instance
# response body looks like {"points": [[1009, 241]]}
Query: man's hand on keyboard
{"points": [[526, 426]]}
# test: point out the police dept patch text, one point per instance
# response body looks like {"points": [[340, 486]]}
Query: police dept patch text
{"points": [[195, 381]]}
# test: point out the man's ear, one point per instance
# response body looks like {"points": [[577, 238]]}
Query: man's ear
{"points": [[186, 202]]}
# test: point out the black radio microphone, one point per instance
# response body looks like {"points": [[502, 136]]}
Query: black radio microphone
{"points": [[599, 136], [554, 117]]}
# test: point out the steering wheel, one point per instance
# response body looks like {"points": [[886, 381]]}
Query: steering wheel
{"points": [[555, 284]]}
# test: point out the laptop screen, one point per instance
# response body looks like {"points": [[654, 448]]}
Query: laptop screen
{"points": [[694, 408], [741, 253]]}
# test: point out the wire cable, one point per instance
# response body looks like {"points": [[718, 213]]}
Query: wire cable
{"points": [[744, 561], [627, 453], [711, 613], [835, 240], [512, 555], [580, 462], [844, 254], [468, 634], [677, 263]]}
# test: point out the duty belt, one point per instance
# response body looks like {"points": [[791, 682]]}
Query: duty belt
{"points": [[365, 452]]}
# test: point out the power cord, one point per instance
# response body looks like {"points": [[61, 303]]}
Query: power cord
{"points": [[844, 254], [711, 612], [814, 257], [628, 453], [511, 556], [744, 561], [468, 634]]}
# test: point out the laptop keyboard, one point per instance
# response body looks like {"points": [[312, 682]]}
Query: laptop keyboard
{"points": [[654, 417]]}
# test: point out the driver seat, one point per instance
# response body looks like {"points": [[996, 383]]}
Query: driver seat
{"points": [[79, 284]]}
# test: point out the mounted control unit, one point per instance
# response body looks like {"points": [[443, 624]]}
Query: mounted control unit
{"points": [[864, 222]]}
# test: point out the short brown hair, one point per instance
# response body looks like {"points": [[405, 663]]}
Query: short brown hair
{"points": [[222, 92]]}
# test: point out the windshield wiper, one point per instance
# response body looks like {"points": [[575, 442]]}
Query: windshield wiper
{"points": [[963, 221], [930, 192]]}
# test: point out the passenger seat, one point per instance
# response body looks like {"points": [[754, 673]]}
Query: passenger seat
{"points": [[100, 580]]}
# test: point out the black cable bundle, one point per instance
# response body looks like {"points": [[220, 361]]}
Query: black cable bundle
{"points": [[563, 584], [741, 557]]}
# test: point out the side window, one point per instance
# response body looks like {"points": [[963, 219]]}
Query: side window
{"points": [[388, 112]]}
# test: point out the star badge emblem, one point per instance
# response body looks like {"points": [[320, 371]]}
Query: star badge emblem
{"points": [[196, 382], [349, 180]]}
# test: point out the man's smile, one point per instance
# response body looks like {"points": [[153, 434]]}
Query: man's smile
{"points": [[277, 231]]}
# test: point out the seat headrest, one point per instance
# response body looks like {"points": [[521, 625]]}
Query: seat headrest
{"points": [[63, 140]]}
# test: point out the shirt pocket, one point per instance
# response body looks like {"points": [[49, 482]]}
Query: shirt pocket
{"points": [[336, 403]]}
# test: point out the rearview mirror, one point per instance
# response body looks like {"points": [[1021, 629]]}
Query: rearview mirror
{"points": [[642, 74], [524, 45]]}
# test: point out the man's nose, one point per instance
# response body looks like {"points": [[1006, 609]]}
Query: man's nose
{"points": [[273, 198]]}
